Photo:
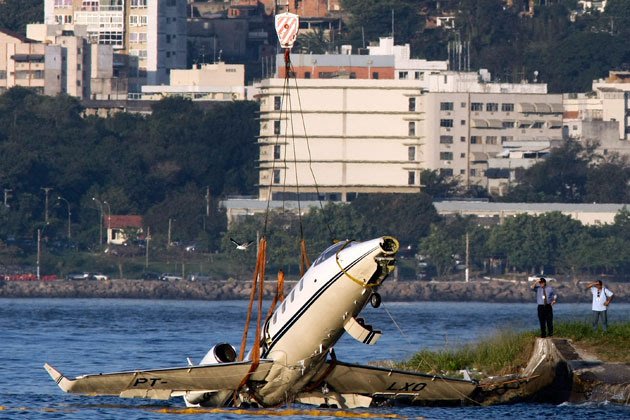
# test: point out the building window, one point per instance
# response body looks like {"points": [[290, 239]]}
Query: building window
{"points": [[446, 172], [446, 155], [446, 106], [416, 75], [403, 75], [446, 139], [463, 104], [537, 124], [508, 124], [462, 122], [276, 151], [307, 74], [462, 155], [475, 139], [276, 176], [412, 104], [446, 123], [3, 74], [507, 107], [411, 178], [491, 140], [375, 75], [462, 139], [492, 107], [476, 106], [276, 127], [412, 128], [411, 153], [135, 4], [473, 172], [277, 103], [63, 3], [506, 138]]}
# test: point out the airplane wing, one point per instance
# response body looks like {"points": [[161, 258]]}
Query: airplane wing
{"points": [[161, 383], [349, 381]]}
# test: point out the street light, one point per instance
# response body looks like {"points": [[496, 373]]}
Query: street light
{"points": [[39, 250], [69, 213], [109, 219], [100, 222], [170, 223]]}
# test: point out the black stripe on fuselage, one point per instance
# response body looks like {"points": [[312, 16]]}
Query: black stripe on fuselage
{"points": [[310, 303]]}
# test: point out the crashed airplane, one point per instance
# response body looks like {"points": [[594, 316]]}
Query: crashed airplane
{"points": [[297, 362]]}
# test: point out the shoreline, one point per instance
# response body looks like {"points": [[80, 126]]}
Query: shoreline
{"points": [[477, 290]]}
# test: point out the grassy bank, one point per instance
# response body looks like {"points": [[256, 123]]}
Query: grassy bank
{"points": [[509, 351]]}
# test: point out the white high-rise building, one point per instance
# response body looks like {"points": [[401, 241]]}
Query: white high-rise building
{"points": [[364, 136], [152, 32]]}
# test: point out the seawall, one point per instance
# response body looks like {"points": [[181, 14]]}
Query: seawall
{"points": [[481, 290]]}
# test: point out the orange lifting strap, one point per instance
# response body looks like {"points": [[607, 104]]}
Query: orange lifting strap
{"points": [[279, 297], [305, 262], [257, 285]]}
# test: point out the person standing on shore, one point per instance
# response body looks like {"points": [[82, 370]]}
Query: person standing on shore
{"points": [[546, 297], [602, 296]]}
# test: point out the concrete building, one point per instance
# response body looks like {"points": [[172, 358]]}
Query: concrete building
{"points": [[385, 61], [87, 70], [601, 116], [587, 214], [378, 135], [204, 82], [353, 134], [154, 31], [24, 62]]}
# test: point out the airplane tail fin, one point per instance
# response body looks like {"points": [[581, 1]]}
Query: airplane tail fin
{"points": [[63, 382]]}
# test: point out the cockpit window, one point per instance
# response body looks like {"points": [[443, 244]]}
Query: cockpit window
{"points": [[331, 250]]}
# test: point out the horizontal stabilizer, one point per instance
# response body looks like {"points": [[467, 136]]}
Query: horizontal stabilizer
{"points": [[161, 383], [362, 332]]}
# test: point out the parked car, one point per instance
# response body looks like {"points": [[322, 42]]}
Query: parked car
{"points": [[199, 277], [78, 276], [170, 277], [150, 275], [98, 276]]}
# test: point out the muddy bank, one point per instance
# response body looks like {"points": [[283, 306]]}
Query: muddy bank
{"points": [[481, 290], [559, 371]]}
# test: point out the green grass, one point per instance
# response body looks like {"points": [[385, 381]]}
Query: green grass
{"points": [[508, 351], [500, 354], [611, 346]]}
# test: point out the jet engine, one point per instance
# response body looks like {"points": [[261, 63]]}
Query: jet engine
{"points": [[220, 353]]}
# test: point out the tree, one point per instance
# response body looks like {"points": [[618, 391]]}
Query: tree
{"points": [[561, 177], [16, 14], [609, 181]]}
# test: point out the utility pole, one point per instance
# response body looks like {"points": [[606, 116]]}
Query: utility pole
{"points": [[467, 257], [208, 201], [146, 256], [46, 191], [7, 195], [170, 225]]}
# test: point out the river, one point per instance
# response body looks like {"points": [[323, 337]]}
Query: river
{"points": [[80, 336]]}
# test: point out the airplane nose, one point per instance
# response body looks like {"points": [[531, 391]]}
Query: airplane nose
{"points": [[390, 245]]}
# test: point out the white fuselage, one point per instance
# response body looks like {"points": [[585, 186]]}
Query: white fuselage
{"points": [[311, 318]]}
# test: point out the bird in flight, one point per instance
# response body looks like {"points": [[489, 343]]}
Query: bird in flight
{"points": [[243, 246]]}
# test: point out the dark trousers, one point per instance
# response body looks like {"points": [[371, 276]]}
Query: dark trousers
{"points": [[545, 316]]}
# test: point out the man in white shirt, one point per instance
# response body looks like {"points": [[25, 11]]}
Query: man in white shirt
{"points": [[602, 296]]}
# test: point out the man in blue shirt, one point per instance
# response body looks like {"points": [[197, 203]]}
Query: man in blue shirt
{"points": [[602, 296], [545, 297]]}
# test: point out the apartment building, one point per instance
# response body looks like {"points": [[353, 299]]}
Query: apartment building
{"points": [[344, 136], [204, 82], [601, 116], [385, 61], [152, 31], [378, 135]]}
